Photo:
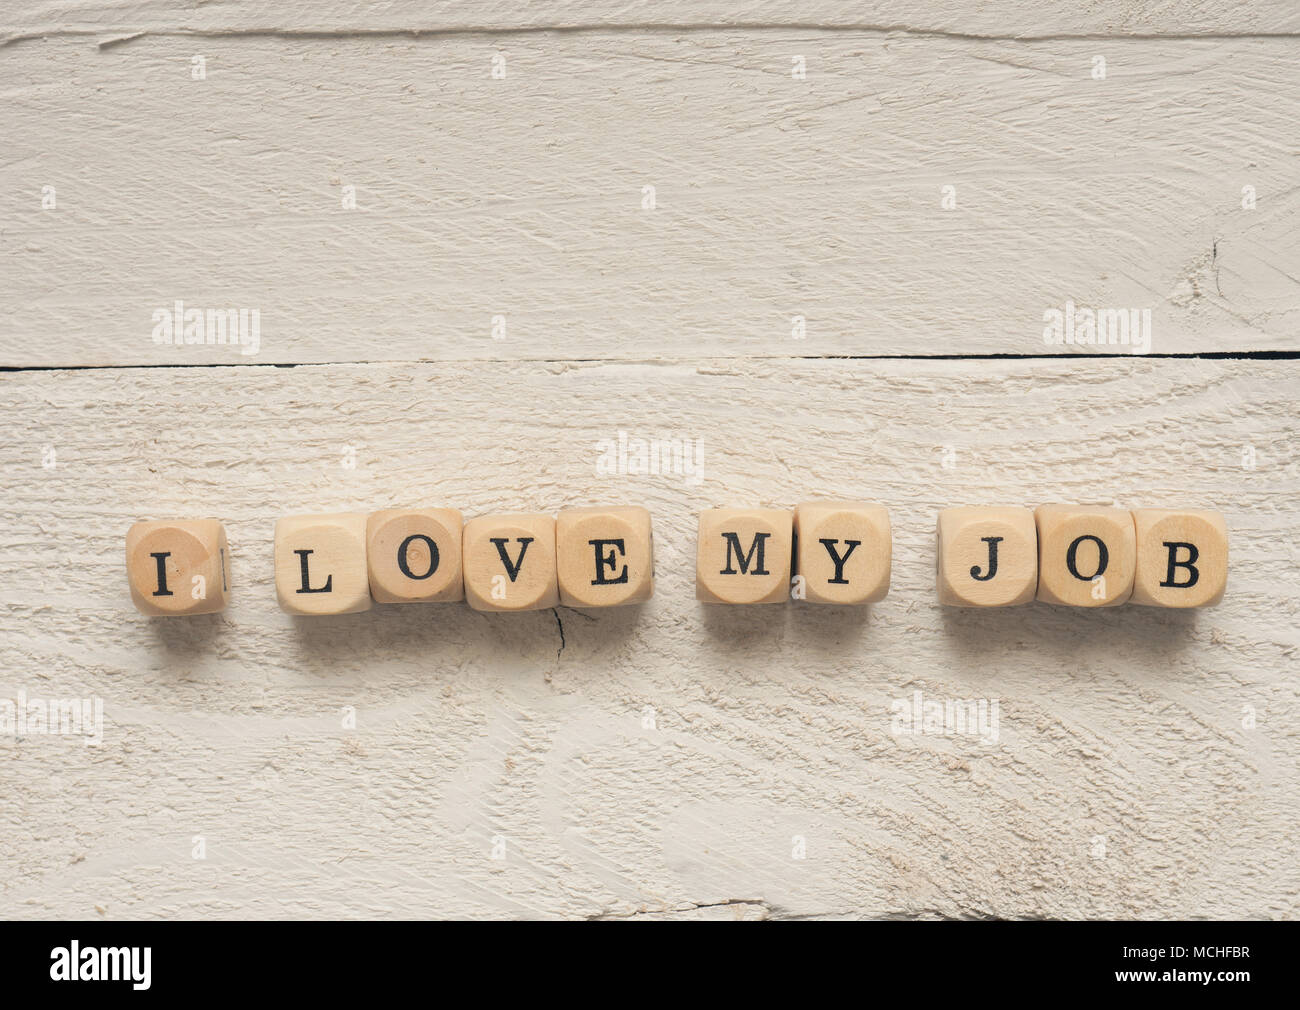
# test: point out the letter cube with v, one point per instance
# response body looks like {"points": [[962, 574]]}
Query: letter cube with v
{"points": [[843, 551], [744, 556], [413, 555], [604, 556], [987, 557], [178, 568], [509, 562], [1086, 556], [1182, 557], [320, 564]]}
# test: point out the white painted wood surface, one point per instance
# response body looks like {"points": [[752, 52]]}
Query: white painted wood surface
{"points": [[663, 761]]}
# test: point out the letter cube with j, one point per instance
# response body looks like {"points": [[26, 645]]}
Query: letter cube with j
{"points": [[320, 564], [1182, 557], [1086, 556], [744, 555], [843, 551], [604, 556], [177, 568], [988, 557], [413, 555], [510, 562]]}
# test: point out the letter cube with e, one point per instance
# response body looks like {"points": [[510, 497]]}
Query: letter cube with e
{"points": [[604, 556], [510, 562], [413, 555], [1182, 557], [177, 568], [843, 551], [1087, 556], [320, 564], [988, 557], [744, 556]]}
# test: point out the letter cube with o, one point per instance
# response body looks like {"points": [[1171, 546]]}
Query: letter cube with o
{"points": [[320, 564], [413, 555], [988, 557], [604, 556], [1087, 556], [1182, 557], [744, 556], [178, 568], [843, 551], [510, 562]]}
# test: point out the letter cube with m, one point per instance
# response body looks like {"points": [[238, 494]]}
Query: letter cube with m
{"points": [[744, 555]]}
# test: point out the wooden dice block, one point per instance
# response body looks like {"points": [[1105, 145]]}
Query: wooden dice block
{"points": [[744, 556], [1087, 556], [1182, 557], [179, 567], [604, 556], [413, 555], [320, 564], [510, 562], [988, 557], [843, 551]]}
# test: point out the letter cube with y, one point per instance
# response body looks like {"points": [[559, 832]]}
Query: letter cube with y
{"points": [[1182, 557], [1086, 556], [843, 551], [320, 564], [604, 556], [510, 562], [177, 568], [744, 556], [988, 557], [413, 555]]}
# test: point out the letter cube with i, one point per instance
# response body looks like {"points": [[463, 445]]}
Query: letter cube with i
{"points": [[1087, 556], [744, 555], [843, 551], [178, 568], [604, 556], [509, 562], [320, 564], [987, 557], [413, 555], [1182, 557]]}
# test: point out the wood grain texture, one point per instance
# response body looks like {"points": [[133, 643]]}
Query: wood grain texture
{"points": [[661, 760]]}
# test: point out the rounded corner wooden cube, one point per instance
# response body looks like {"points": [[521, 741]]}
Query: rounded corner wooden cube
{"points": [[178, 567], [414, 555], [987, 556], [1182, 557], [744, 555], [843, 551], [1087, 555], [604, 556], [509, 562], [320, 564]]}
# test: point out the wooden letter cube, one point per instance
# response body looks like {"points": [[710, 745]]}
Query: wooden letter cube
{"points": [[1182, 557], [744, 556], [510, 563], [413, 555], [179, 567], [604, 556], [320, 564], [988, 557], [842, 551], [1086, 556]]}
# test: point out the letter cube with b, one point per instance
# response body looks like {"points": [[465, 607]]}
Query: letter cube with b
{"points": [[988, 557], [604, 556], [178, 568], [1182, 557], [509, 562], [1087, 556], [843, 551], [744, 556], [320, 564], [413, 555]]}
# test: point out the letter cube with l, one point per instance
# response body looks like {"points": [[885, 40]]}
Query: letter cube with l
{"points": [[510, 562], [179, 567], [843, 551], [604, 556], [744, 556], [1086, 556], [320, 564], [1182, 557], [987, 557], [413, 555]]}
